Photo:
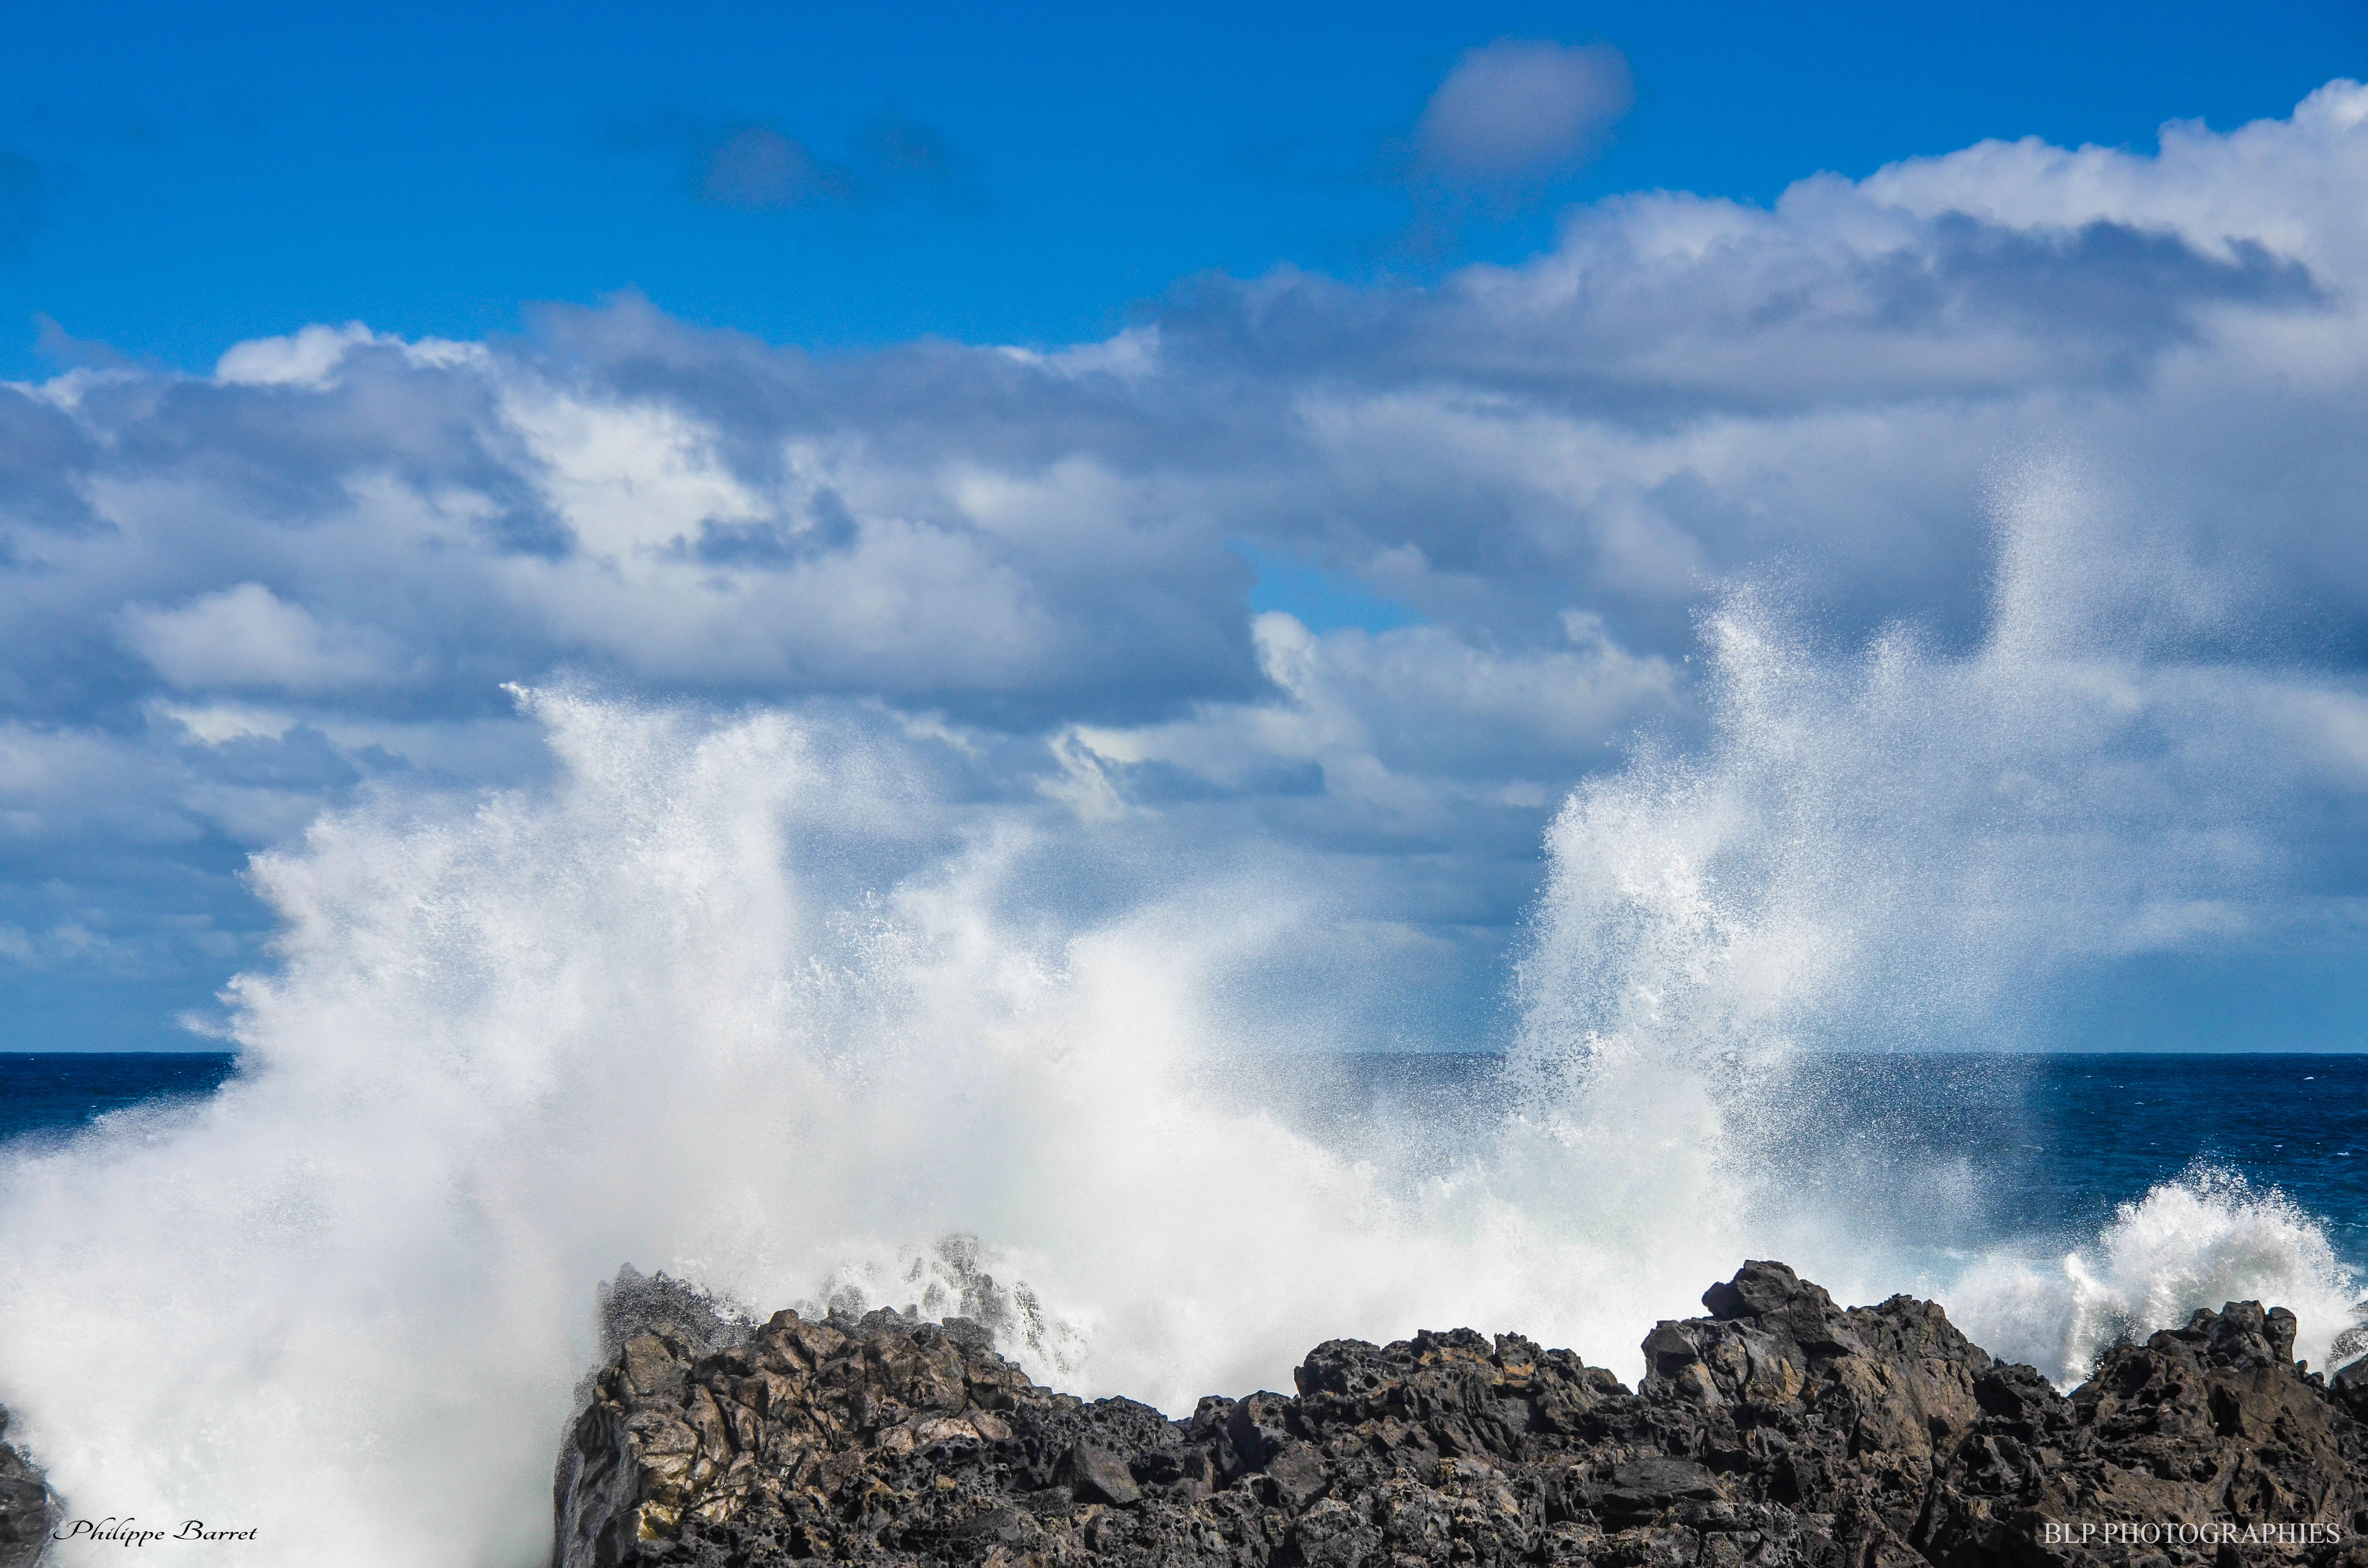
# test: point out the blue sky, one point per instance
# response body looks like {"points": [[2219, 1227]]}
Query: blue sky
{"points": [[1298, 447], [177, 180]]}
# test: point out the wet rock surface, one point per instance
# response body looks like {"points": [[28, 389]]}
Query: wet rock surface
{"points": [[1780, 1429], [27, 1511]]}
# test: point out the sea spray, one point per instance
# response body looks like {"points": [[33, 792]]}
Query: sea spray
{"points": [[1897, 847], [2208, 1236], [749, 1000], [733, 1000]]}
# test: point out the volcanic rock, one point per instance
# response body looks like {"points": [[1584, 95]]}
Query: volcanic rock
{"points": [[1780, 1430], [27, 1511]]}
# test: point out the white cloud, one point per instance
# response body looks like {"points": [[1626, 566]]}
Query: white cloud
{"points": [[213, 723], [1130, 354], [629, 479], [2290, 184], [247, 638], [319, 565], [308, 359], [1405, 726], [1523, 106]]}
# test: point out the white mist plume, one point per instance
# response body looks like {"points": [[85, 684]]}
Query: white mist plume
{"points": [[740, 1000], [1891, 837], [650, 1016], [1899, 847]]}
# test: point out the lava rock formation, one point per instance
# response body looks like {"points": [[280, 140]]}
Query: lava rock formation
{"points": [[27, 1511], [1778, 1430]]}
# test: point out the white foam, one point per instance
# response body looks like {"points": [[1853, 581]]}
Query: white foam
{"points": [[743, 1000], [648, 1015], [2205, 1239], [1900, 846]]}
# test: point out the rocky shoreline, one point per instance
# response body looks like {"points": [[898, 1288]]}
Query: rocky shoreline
{"points": [[1779, 1429], [27, 1511]]}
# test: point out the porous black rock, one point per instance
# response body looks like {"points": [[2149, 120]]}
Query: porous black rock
{"points": [[28, 1511], [1780, 1430]]}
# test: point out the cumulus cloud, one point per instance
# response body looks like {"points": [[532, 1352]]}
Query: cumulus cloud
{"points": [[306, 358], [228, 599], [246, 638], [1522, 108], [1407, 731]]}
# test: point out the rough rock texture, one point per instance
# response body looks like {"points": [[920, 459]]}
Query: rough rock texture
{"points": [[1778, 1430], [27, 1511]]}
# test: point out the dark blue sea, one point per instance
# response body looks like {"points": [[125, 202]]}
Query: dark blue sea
{"points": [[54, 1091], [2030, 1146], [2051, 1143]]}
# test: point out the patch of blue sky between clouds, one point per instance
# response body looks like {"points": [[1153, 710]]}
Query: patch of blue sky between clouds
{"points": [[1321, 600]]}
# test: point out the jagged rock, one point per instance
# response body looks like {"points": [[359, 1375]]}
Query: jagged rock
{"points": [[2351, 1385], [1779, 1430], [28, 1510]]}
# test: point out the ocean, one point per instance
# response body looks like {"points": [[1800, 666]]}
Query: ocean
{"points": [[2048, 1148], [56, 1092], [2054, 1145]]}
